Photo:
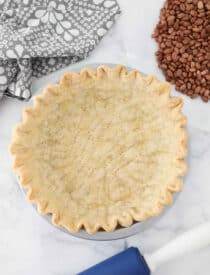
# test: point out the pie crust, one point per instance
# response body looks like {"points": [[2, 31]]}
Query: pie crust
{"points": [[101, 149]]}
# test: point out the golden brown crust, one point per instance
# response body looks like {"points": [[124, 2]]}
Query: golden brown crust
{"points": [[109, 90]]}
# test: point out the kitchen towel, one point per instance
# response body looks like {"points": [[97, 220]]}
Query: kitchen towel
{"points": [[40, 36]]}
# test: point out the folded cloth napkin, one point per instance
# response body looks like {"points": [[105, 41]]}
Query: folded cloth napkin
{"points": [[40, 36]]}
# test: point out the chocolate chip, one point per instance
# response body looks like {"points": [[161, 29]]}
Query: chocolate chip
{"points": [[171, 20], [200, 4], [183, 55]]}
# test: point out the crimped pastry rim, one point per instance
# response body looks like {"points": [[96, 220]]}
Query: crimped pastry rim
{"points": [[118, 71]]}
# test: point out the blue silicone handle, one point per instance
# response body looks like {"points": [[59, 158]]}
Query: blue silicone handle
{"points": [[128, 262]]}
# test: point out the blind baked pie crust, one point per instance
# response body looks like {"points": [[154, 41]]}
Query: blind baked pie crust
{"points": [[102, 148]]}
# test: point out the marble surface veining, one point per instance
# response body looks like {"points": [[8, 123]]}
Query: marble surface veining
{"points": [[29, 245]]}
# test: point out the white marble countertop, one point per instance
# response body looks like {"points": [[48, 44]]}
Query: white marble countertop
{"points": [[29, 245]]}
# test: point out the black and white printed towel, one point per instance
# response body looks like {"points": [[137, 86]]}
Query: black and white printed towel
{"points": [[40, 36]]}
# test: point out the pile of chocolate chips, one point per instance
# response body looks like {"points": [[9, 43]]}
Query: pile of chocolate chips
{"points": [[183, 37]]}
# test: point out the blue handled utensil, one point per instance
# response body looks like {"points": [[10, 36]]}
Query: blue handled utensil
{"points": [[131, 262]]}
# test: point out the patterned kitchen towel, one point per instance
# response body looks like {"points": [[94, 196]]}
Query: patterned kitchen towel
{"points": [[40, 36]]}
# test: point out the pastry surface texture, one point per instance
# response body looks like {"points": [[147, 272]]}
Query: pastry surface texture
{"points": [[102, 148]]}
